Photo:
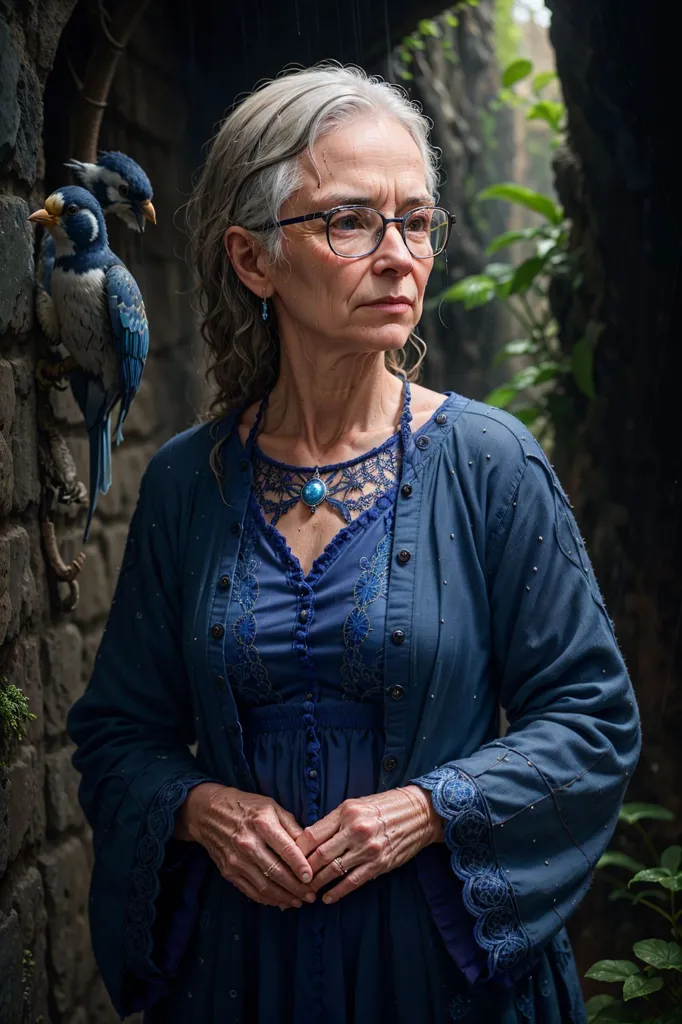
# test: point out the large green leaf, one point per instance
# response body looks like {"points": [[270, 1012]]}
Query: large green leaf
{"points": [[549, 371], [552, 113], [674, 883], [597, 1003], [517, 347], [630, 813], [517, 70], [525, 274], [616, 859], [640, 985], [671, 858], [541, 80], [664, 955], [509, 237], [582, 366], [473, 291], [612, 970], [502, 396], [651, 875], [527, 197]]}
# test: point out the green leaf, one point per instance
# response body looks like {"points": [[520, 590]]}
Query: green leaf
{"points": [[674, 884], [451, 19], [525, 274], [616, 859], [518, 347], [515, 71], [502, 396], [650, 875], [671, 858], [509, 237], [541, 80], [630, 813], [526, 377], [406, 75], [549, 111], [597, 1003], [549, 371], [667, 956], [527, 197], [528, 414], [582, 366], [612, 970], [473, 291], [638, 986], [428, 27]]}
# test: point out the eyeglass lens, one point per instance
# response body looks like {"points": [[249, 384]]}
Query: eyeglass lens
{"points": [[357, 231]]}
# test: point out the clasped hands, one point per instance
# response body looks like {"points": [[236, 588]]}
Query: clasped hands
{"points": [[260, 847]]}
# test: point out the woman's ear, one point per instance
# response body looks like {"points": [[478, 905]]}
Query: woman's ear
{"points": [[247, 257]]}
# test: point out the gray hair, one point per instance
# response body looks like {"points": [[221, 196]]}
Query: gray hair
{"points": [[253, 167]]}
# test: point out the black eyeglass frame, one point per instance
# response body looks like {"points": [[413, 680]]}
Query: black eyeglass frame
{"points": [[328, 214]]}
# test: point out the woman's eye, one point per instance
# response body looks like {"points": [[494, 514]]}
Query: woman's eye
{"points": [[348, 222], [418, 224], [71, 209], [123, 189]]}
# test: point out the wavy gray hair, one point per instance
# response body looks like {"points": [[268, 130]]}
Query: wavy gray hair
{"points": [[252, 169]]}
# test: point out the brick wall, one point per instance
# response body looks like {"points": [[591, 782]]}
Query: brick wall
{"points": [[47, 971]]}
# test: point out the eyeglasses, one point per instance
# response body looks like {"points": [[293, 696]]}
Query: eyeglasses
{"points": [[355, 231]]}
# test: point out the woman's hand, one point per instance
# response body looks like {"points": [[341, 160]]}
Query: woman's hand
{"points": [[252, 841], [369, 836]]}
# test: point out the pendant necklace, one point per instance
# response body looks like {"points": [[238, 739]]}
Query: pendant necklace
{"points": [[314, 491]]}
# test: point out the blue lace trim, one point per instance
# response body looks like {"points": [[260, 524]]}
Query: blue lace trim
{"points": [[351, 486], [249, 676], [487, 893], [145, 885], [358, 679]]}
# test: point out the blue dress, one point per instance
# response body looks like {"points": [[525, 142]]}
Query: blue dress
{"points": [[304, 658]]}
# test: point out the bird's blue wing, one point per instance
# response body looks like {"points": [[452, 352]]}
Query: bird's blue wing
{"points": [[130, 332]]}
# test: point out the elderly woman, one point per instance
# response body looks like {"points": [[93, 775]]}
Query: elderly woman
{"points": [[328, 591]]}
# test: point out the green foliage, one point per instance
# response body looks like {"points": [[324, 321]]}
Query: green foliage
{"points": [[507, 33], [660, 962], [14, 710]]}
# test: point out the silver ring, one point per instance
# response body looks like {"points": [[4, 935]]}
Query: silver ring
{"points": [[339, 864], [270, 869]]}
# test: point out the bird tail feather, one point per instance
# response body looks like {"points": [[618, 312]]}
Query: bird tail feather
{"points": [[100, 466]]}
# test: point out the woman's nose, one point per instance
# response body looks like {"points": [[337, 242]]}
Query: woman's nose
{"points": [[392, 252]]}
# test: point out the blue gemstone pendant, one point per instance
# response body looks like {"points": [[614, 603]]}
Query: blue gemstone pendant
{"points": [[314, 492]]}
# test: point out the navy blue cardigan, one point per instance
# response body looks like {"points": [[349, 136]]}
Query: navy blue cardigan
{"points": [[497, 606]]}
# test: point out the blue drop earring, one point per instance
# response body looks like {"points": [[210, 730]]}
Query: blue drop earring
{"points": [[264, 311]]}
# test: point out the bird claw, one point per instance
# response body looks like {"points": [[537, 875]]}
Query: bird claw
{"points": [[52, 375]]}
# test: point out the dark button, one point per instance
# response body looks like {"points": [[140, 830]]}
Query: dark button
{"points": [[235, 528], [220, 683], [224, 582], [217, 631], [441, 418], [423, 441], [312, 774], [406, 490], [309, 696], [390, 763], [397, 692], [404, 557], [243, 464], [233, 993], [303, 615], [398, 636]]}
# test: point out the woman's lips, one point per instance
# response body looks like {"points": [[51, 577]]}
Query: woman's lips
{"points": [[397, 305]]}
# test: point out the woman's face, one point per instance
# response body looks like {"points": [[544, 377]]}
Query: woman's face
{"points": [[371, 162]]}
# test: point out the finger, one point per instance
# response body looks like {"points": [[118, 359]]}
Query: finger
{"points": [[351, 882], [267, 890], [289, 822], [279, 840], [312, 836], [245, 886], [332, 872], [324, 855]]}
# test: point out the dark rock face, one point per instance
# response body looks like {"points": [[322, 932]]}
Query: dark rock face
{"points": [[618, 182], [9, 104]]}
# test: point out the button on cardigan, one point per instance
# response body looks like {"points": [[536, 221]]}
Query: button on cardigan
{"points": [[498, 605]]}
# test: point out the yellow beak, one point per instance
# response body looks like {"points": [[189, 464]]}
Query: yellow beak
{"points": [[148, 211], [44, 217]]}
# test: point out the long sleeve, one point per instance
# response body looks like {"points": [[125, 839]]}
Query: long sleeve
{"points": [[133, 727], [528, 815]]}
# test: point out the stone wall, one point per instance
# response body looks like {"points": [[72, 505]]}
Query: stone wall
{"points": [[47, 971]]}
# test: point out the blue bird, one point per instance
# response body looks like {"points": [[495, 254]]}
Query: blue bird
{"points": [[122, 188], [100, 319]]}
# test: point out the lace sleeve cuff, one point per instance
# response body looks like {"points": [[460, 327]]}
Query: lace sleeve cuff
{"points": [[486, 893]]}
